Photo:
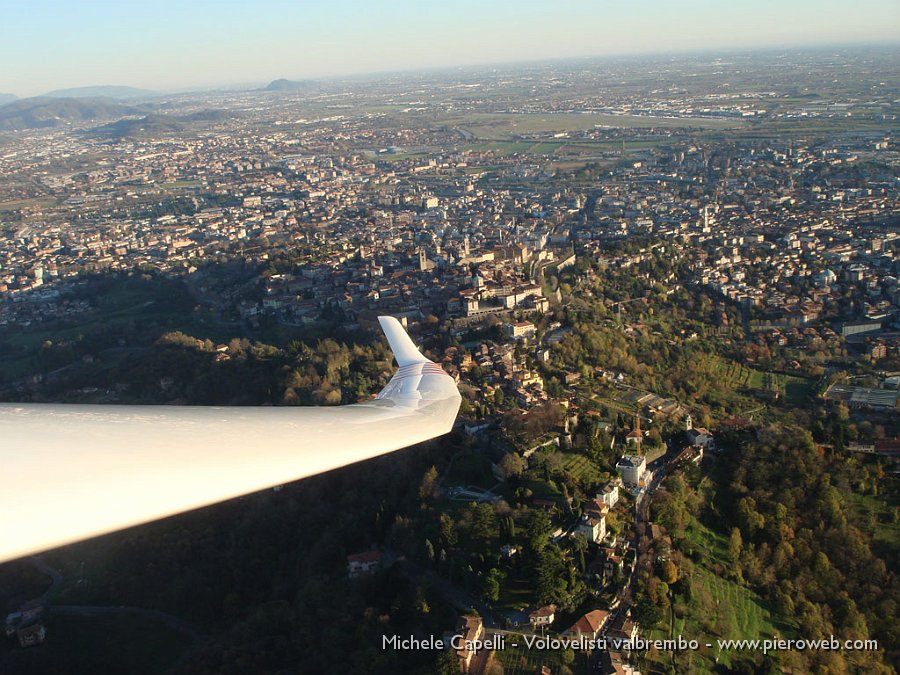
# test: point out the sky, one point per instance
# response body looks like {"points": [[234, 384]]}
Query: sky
{"points": [[169, 45]]}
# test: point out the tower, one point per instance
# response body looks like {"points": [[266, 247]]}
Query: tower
{"points": [[688, 422]]}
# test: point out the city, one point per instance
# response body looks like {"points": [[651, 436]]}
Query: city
{"points": [[666, 287]]}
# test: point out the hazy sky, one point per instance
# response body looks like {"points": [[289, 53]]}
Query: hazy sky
{"points": [[175, 44]]}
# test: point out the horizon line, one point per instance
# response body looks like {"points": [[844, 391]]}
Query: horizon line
{"points": [[337, 77]]}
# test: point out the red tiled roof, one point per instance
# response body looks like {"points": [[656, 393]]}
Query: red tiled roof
{"points": [[590, 623], [543, 611], [364, 557]]}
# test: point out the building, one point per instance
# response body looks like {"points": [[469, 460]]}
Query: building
{"points": [[635, 437], [622, 629], [361, 564], [592, 527], [27, 624], [701, 437], [542, 616], [520, 330], [470, 629], [31, 635], [609, 495], [633, 469], [424, 263], [619, 664], [588, 627], [509, 550], [595, 507], [858, 327]]}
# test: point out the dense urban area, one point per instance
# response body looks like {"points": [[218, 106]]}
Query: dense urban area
{"points": [[667, 289]]}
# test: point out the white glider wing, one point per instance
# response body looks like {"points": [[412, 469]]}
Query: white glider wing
{"points": [[70, 472]]}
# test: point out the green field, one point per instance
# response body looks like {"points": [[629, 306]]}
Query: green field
{"points": [[751, 616], [561, 149], [541, 489], [795, 390], [494, 126], [582, 469], [516, 593], [875, 516], [182, 184], [41, 202], [716, 606], [470, 468]]}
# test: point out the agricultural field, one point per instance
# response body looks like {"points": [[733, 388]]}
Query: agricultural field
{"points": [[584, 471], [496, 126], [716, 606], [29, 203], [517, 593], [796, 390]]}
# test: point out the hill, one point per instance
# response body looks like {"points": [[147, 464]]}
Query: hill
{"points": [[288, 85], [106, 91], [7, 98], [156, 125], [38, 113]]}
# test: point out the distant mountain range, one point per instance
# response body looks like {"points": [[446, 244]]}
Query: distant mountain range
{"points": [[41, 112], [288, 85], [122, 93], [104, 91]]}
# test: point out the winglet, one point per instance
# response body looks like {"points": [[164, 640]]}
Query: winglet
{"points": [[404, 348]]}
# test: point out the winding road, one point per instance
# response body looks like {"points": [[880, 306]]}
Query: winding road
{"points": [[56, 579]]}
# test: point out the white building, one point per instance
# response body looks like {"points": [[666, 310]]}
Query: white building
{"points": [[701, 437], [520, 330], [593, 527], [609, 495], [542, 616], [633, 469]]}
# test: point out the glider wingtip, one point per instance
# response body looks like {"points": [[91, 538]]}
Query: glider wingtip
{"points": [[404, 349]]}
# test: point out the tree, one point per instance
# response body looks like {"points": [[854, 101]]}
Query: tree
{"points": [[447, 664], [669, 572], [448, 531], [646, 612], [512, 465], [429, 483], [537, 530], [748, 518], [490, 588], [735, 546], [549, 576], [492, 667]]}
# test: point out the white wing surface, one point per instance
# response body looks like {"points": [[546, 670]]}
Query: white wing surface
{"points": [[70, 472]]}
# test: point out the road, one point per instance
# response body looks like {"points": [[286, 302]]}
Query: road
{"points": [[451, 593], [169, 620], [46, 570], [56, 579]]}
